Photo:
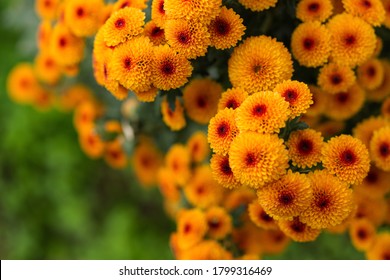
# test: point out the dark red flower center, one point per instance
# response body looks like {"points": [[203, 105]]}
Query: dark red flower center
{"points": [[225, 167], [161, 7], [322, 201], [115, 154], [156, 31], [187, 228], [62, 42], [308, 44], [298, 227], [168, 68], [232, 103], [290, 96], [146, 162], [265, 217], [348, 157], [366, 4], [313, 7], [120, 23], [305, 146], [372, 177], [286, 198], [222, 27], [223, 129], [349, 40], [342, 97], [201, 102], [214, 224], [200, 190], [384, 149], [336, 79], [259, 110], [125, 4], [250, 159], [371, 71], [80, 12], [127, 63], [183, 38], [362, 234]]}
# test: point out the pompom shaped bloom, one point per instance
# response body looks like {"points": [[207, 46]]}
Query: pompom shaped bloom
{"points": [[202, 190], [331, 203], [226, 29], [232, 98], [334, 78], [46, 68], [371, 74], [297, 94], [147, 95], [169, 69], [158, 13], [22, 83], [222, 130], [353, 40], [345, 104], [314, 10], [200, 10], [373, 209], [85, 115], [219, 222], [253, 69], [122, 25], [131, 64], [198, 146], [155, 33], [174, 119], [259, 217], [380, 148], [264, 112], [222, 172], [372, 11], [257, 159], [201, 98], [91, 143], [191, 228], [47, 9], [304, 147], [115, 155], [362, 233], [178, 161], [383, 90], [190, 38], [347, 158], [83, 17], [310, 44], [380, 250], [365, 129], [258, 6], [298, 231], [287, 197]]}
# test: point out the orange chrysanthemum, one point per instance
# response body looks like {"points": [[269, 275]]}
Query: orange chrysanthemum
{"points": [[380, 148], [383, 90], [310, 44], [22, 83], [73, 96], [274, 241], [334, 78], [222, 172], [155, 33], [178, 161], [198, 146], [167, 185], [232, 98], [207, 250], [375, 184], [84, 116], [257, 159], [158, 13], [332, 201], [169, 69], [343, 105], [222, 130], [380, 250], [190, 38], [131, 64], [372, 11], [312, 10], [115, 155], [200, 10], [373, 209], [298, 231], [47, 9], [253, 69], [365, 129], [91, 143], [191, 228], [226, 29], [46, 68], [44, 34], [264, 112], [319, 102], [201, 98], [347, 158], [353, 40], [362, 233], [174, 119], [287, 197], [297, 94], [147, 95], [219, 222], [122, 25], [304, 147], [258, 6], [371, 74], [259, 217]]}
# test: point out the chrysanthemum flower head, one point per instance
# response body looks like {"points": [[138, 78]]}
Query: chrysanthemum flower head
{"points": [[347, 158], [167, 185], [22, 83], [319, 102], [47, 9], [264, 112], [174, 119], [190, 38], [297, 94], [46, 68], [91, 143], [380, 250], [85, 114], [375, 184], [314, 10], [353, 40], [191, 227], [178, 161], [73, 96], [304, 147], [198, 146], [147, 95], [258, 6], [380, 148], [365, 129], [169, 69], [222, 172], [331, 203], [200, 10], [222, 130], [122, 25], [219, 222], [310, 44], [257, 159], [287, 197], [274, 241], [155, 33], [334, 78], [383, 90], [232, 98], [253, 69], [115, 155], [298, 231], [373, 209], [345, 104], [259, 217], [201, 98], [131, 64], [158, 13], [370, 74], [372, 11], [362, 233], [226, 29]]}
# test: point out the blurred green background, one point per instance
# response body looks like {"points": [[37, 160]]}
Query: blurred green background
{"points": [[55, 203]]}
